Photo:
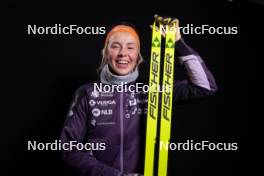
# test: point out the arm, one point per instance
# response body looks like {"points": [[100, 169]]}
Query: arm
{"points": [[200, 82], [75, 129]]}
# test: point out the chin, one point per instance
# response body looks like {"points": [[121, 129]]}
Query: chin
{"points": [[122, 73]]}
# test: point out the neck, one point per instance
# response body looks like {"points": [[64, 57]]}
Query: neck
{"points": [[108, 77]]}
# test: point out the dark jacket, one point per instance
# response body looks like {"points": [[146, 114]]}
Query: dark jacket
{"points": [[117, 121]]}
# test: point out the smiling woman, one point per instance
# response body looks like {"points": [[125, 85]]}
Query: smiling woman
{"points": [[123, 127], [122, 50]]}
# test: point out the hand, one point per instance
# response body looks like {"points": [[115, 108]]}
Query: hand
{"points": [[170, 22]]}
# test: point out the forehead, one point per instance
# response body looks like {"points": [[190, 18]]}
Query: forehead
{"points": [[122, 37]]}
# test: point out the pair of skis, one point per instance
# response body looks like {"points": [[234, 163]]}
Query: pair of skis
{"points": [[153, 99]]}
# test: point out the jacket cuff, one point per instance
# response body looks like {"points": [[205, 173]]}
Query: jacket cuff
{"points": [[182, 49]]}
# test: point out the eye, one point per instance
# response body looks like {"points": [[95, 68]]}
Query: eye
{"points": [[131, 48], [115, 46]]}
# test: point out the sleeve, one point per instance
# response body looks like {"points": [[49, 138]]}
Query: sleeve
{"points": [[75, 129], [200, 82]]}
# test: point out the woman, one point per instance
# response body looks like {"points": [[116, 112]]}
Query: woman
{"points": [[115, 122]]}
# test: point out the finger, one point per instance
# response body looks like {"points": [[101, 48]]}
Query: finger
{"points": [[158, 18], [151, 27], [175, 22], [167, 20], [157, 28], [162, 20]]}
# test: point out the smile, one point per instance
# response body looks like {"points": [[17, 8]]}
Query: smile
{"points": [[122, 62]]}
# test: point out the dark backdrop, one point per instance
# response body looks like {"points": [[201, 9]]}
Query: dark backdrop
{"points": [[42, 72]]}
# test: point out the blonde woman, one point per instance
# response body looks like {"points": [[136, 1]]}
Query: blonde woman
{"points": [[112, 125]]}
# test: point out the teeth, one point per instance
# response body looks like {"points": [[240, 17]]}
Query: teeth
{"points": [[122, 62]]}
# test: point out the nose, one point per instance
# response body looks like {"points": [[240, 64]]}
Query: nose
{"points": [[122, 52]]}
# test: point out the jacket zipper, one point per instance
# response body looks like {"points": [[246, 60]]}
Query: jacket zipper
{"points": [[121, 134]]}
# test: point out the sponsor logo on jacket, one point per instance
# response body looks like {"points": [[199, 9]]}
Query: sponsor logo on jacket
{"points": [[97, 112], [102, 102]]}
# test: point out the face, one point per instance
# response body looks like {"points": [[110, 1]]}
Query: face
{"points": [[122, 53]]}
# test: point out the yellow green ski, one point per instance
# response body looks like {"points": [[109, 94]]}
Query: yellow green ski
{"points": [[153, 100]]}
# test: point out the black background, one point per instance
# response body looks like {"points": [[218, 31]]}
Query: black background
{"points": [[42, 72]]}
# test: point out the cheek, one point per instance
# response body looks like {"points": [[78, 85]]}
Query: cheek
{"points": [[134, 56], [111, 55]]}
